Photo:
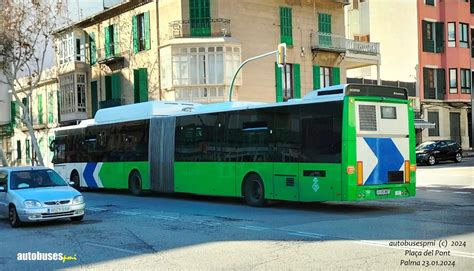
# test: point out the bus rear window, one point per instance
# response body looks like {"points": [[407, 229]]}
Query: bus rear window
{"points": [[388, 112]]}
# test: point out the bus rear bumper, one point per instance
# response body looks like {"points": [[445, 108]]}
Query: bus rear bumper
{"points": [[384, 192]]}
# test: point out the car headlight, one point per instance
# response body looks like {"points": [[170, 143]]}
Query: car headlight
{"points": [[78, 200], [31, 203]]}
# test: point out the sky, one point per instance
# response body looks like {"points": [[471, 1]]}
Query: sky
{"points": [[78, 9]]}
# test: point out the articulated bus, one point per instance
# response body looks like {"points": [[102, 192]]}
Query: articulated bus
{"points": [[341, 143]]}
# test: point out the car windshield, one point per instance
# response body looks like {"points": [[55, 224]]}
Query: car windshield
{"points": [[35, 178], [426, 146]]}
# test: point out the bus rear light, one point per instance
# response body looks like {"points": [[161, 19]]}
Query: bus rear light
{"points": [[350, 170], [407, 171], [412, 168], [360, 173]]}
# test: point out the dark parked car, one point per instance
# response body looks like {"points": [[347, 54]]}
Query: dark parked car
{"points": [[430, 152]]}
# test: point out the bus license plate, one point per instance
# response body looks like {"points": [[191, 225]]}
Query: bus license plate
{"points": [[382, 192], [58, 210]]}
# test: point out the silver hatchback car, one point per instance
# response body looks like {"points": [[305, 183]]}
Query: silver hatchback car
{"points": [[29, 194]]}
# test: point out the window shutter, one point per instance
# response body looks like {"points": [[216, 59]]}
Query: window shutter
{"points": [[135, 34], [424, 29], [116, 86], [143, 85], [441, 83], [92, 49], [13, 113], [286, 31], [328, 23], [426, 84], [108, 87], [439, 37], [40, 108], [136, 86], [58, 101], [282, 25], [116, 41], [296, 81], [279, 87], [146, 17], [107, 41], [290, 27], [316, 78], [336, 76]]}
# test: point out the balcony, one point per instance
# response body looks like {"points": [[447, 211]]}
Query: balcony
{"points": [[217, 27], [112, 57], [339, 44], [110, 103]]}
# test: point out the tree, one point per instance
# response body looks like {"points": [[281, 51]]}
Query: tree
{"points": [[27, 27]]}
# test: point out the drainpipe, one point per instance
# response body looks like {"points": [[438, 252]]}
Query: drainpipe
{"points": [[158, 48]]}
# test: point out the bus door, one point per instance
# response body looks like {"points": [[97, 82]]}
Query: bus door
{"points": [[382, 144]]}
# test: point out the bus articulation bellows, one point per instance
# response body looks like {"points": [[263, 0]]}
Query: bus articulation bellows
{"points": [[341, 143]]}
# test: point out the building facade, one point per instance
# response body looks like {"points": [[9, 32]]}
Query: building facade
{"points": [[445, 55], [189, 50]]}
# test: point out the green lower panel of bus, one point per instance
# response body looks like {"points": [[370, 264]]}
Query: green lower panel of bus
{"points": [[115, 174], [378, 192], [282, 181]]}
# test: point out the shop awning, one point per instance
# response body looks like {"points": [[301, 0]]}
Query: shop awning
{"points": [[423, 124]]}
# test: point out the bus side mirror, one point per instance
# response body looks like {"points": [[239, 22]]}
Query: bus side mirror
{"points": [[52, 145]]}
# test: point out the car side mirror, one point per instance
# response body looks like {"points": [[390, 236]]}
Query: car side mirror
{"points": [[3, 188]]}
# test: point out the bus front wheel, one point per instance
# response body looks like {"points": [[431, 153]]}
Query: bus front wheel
{"points": [[254, 192], [135, 183]]}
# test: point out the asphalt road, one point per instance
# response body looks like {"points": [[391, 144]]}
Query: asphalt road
{"points": [[123, 232]]}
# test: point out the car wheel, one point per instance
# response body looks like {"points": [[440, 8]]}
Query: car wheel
{"points": [[75, 179], [77, 218], [254, 192], [431, 160], [13, 216], [135, 183], [458, 157]]}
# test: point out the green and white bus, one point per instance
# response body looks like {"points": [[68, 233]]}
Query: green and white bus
{"points": [[341, 143]]}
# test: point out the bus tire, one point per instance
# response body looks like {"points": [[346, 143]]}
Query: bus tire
{"points": [[254, 191], [135, 183], [76, 180]]}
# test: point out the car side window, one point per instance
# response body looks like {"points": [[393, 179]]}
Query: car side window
{"points": [[442, 145], [3, 179]]}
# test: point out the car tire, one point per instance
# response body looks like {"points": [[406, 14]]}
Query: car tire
{"points": [[431, 160], [254, 191], [458, 157], [76, 180], [15, 221], [77, 218], [135, 183]]}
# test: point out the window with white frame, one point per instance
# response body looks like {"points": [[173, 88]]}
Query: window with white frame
{"points": [[206, 65], [451, 34], [325, 76], [287, 81], [67, 93], [200, 94], [453, 81], [71, 47], [81, 92], [465, 81], [463, 35]]}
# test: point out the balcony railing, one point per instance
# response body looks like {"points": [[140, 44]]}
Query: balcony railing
{"points": [[216, 27], [335, 43]]}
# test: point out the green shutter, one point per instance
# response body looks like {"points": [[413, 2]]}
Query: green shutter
{"points": [[316, 77], [116, 41], [92, 49], [439, 28], [108, 87], [13, 113], [107, 41], [18, 150], [116, 86], [200, 17], [50, 107], [279, 86], [286, 26], [143, 85], [146, 17], [27, 150], [94, 102], [336, 76], [136, 86], [40, 108], [296, 81], [58, 95], [135, 34], [324, 26]]}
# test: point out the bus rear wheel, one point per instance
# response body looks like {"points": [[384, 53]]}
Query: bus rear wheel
{"points": [[135, 183], [253, 191]]}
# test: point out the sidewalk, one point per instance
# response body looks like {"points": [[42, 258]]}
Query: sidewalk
{"points": [[468, 153]]}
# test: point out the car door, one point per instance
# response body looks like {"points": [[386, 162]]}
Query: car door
{"points": [[442, 150], [3, 193]]}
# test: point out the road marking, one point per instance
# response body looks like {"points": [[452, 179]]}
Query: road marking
{"points": [[95, 209], [114, 248], [127, 213], [432, 185], [306, 234], [461, 192], [432, 190], [382, 244], [253, 228], [165, 217]]}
